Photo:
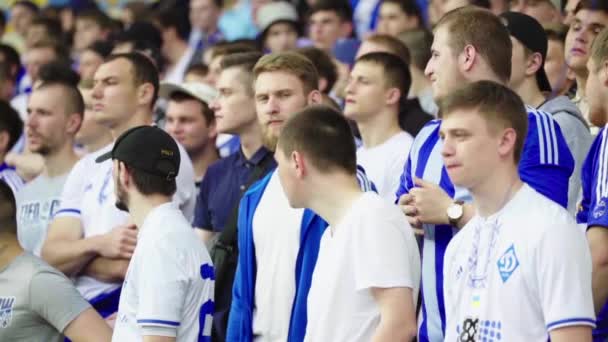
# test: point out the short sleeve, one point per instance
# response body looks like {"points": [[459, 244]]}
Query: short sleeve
{"points": [[563, 274], [202, 215], [382, 253], [54, 298], [185, 195], [73, 191], [162, 287]]}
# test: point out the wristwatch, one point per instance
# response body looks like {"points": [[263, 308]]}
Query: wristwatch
{"points": [[455, 212]]}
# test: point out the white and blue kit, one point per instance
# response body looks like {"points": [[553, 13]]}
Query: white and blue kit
{"points": [[546, 165], [593, 207]]}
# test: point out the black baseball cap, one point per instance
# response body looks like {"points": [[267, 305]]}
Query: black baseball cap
{"points": [[531, 34], [146, 148]]}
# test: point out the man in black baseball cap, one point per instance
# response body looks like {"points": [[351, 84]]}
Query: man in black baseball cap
{"points": [[530, 82], [146, 162]]}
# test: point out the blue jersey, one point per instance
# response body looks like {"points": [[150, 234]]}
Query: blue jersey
{"points": [[546, 165], [592, 210]]}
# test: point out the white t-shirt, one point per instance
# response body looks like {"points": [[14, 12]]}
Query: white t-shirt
{"points": [[88, 195], [384, 163], [276, 235], [373, 246], [518, 274], [37, 203], [169, 283]]}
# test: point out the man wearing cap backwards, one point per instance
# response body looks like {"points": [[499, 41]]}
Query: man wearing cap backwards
{"points": [[90, 239], [191, 122], [168, 290], [530, 82], [278, 23]]}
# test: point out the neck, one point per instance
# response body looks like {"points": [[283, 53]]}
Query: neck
{"points": [[9, 249], [140, 118], [102, 141], [176, 51], [581, 83], [334, 204], [495, 192], [140, 206], [251, 140], [202, 159], [60, 162], [419, 82], [530, 94], [379, 128]]}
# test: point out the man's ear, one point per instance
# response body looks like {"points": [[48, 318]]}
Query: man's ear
{"points": [[74, 122], [534, 63], [468, 57], [315, 97], [393, 96], [299, 164], [145, 94]]}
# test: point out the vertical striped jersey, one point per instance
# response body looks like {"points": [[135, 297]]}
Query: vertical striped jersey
{"points": [[546, 165]]}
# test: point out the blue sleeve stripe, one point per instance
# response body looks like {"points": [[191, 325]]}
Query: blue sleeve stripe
{"points": [[553, 137], [67, 210], [601, 186], [572, 321], [158, 322], [546, 137], [541, 144]]}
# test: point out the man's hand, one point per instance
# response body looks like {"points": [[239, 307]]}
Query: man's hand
{"points": [[120, 242], [430, 202], [406, 203]]}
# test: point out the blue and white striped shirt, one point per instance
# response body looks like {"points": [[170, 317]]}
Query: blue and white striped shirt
{"points": [[10, 176], [593, 207], [546, 165]]}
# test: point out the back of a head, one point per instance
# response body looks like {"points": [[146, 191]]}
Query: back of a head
{"points": [[396, 72], [176, 18], [144, 70], [341, 7], [10, 122], [291, 63], [312, 130], [245, 62], [485, 32], [392, 44], [8, 209], [58, 71], [324, 65], [500, 106], [418, 42], [61, 53], [556, 32]]}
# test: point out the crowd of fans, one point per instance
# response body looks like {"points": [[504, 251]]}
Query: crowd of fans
{"points": [[307, 170]]}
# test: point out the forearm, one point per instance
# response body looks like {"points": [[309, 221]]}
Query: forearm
{"points": [[467, 215], [577, 333], [598, 237], [389, 332], [158, 339], [70, 256], [106, 269]]}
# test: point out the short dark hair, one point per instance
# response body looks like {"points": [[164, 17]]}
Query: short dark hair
{"points": [[394, 45], [180, 96], [312, 130], [11, 58], [418, 42], [229, 48], [498, 105], [396, 72], [197, 69], [323, 63], [58, 71], [175, 18], [52, 27], [72, 98], [150, 184], [342, 8], [101, 47], [61, 53], [409, 7], [593, 5], [480, 28], [144, 70], [245, 62], [10, 122], [8, 209], [96, 15]]}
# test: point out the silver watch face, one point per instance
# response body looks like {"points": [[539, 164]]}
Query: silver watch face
{"points": [[455, 211]]}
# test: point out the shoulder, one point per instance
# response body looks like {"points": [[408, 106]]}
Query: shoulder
{"points": [[541, 214], [220, 166]]}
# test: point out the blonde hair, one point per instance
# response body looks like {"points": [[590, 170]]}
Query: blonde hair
{"points": [[292, 63]]}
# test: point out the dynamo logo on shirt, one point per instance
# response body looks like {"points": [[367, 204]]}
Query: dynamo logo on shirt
{"points": [[6, 311], [507, 264]]}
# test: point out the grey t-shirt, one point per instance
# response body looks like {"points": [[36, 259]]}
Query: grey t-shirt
{"points": [[37, 203], [37, 302]]}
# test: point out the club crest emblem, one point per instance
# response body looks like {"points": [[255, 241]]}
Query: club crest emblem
{"points": [[507, 264], [6, 311]]}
